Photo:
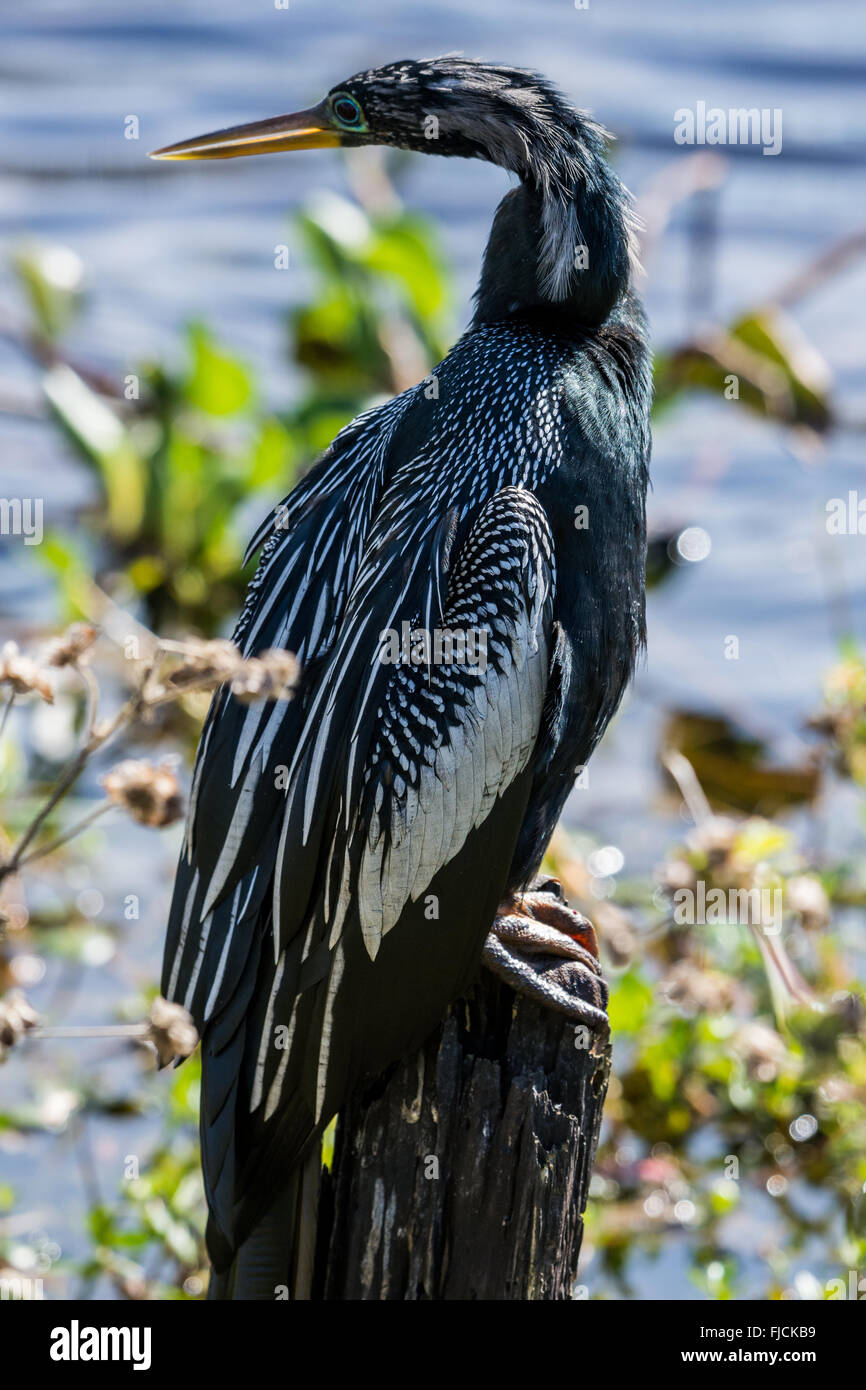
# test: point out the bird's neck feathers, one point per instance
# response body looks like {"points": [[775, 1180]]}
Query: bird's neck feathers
{"points": [[564, 241]]}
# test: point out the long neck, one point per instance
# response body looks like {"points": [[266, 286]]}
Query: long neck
{"points": [[560, 242]]}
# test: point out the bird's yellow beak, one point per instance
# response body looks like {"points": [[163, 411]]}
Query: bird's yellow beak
{"points": [[305, 130]]}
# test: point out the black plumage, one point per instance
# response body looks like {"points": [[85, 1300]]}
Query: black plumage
{"points": [[346, 852]]}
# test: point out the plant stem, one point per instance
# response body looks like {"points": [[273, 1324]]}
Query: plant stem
{"points": [[71, 775], [93, 741], [87, 1030], [67, 835], [6, 711]]}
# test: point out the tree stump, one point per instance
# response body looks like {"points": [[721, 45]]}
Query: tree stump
{"points": [[463, 1174]]}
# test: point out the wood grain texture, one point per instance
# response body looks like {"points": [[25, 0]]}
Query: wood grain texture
{"points": [[464, 1173]]}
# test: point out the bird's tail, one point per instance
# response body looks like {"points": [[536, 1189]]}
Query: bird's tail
{"points": [[276, 1261]]}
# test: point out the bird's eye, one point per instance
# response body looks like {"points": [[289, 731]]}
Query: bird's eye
{"points": [[346, 109]]}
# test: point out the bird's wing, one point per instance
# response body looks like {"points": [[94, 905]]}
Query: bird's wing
{"points": [[414, 760], [312, 544], [458, 720]]}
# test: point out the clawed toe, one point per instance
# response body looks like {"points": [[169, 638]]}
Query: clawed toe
{"points": [[555, 912], [544, 949]]}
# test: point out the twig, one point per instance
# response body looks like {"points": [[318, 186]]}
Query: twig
{"points": [[67, 835], [92, 692], [47, 354], [135, 1031], [71, 775], [7, 708], [86, 1166], [834, 259], [686, 779], [94, 739]]}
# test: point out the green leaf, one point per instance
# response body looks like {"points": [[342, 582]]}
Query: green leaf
{"points": [[763, 361], [335, 233], [403, 251], [71, 569], [760, 839], [217, 384], [776, 338], [630, 1002], [103, 441], [51, 278], [273, 458]]}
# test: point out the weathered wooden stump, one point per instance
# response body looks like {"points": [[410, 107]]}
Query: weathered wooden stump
{"points": [[463, 1174]]}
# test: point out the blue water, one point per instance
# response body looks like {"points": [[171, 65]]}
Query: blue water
{"points": [[163, 244]]}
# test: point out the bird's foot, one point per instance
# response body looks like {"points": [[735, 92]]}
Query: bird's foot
{"points": [[543, 948]]}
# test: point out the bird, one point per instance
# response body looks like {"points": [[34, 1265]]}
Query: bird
{"points": [[461, 577]]}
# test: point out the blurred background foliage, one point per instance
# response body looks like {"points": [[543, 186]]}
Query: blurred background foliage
{"points": [[740, 1070], [185, 458]]}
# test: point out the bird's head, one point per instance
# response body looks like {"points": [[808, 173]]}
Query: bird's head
{"points": [[456, 106], [449, 106]]}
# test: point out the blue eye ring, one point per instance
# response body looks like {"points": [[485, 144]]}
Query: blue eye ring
{"points": [[347, 110]]}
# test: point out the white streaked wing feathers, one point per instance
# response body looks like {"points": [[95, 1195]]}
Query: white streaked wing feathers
{"points": [[487, 742]]}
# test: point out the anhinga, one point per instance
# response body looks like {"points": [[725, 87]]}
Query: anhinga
{"points": [[347, 852]]}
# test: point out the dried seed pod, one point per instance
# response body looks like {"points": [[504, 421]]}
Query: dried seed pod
{"points": [[151, 795], [75, 642], [171, 1031], [806, 895], [23, 674], [205, 665], [271, 676], [17, 1017]]}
